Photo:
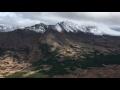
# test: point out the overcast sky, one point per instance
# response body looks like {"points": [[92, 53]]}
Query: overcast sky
{"points": [[111, 19]]}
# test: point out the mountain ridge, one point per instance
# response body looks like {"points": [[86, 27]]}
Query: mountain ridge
{"points": [[65, 26]]}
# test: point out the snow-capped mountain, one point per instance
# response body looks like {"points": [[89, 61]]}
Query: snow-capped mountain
{"points": [[8, 28], [73, 27], [37, 28], [80, 39], [65, 26]]}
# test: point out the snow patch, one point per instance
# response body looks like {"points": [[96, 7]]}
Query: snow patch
{"points": [[58, 28]]}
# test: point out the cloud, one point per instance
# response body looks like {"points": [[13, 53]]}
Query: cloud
{"points": [[111, 19]]}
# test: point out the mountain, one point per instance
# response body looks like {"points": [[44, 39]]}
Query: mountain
{"points": [[8, 28], [60, 46], [61, 34], [64, 35], [73, 27], [65, 26], [37, 28]]}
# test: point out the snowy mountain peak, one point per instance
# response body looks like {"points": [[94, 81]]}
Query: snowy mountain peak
{"points": [[65, 26], [38, 27], [96, 30], [8, 28], [69, 26]]}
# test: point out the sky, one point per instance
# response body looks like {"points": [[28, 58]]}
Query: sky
{"points": [[110, 19]]}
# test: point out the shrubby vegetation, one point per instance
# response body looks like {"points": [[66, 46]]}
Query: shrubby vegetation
{"points": [[99, 60], [16, 75], [36, 75], [2, 51], [52, 58], [63, 67]]}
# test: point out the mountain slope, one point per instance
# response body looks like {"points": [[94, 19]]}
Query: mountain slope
{"points": [[57, 49], [69, 37]]}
